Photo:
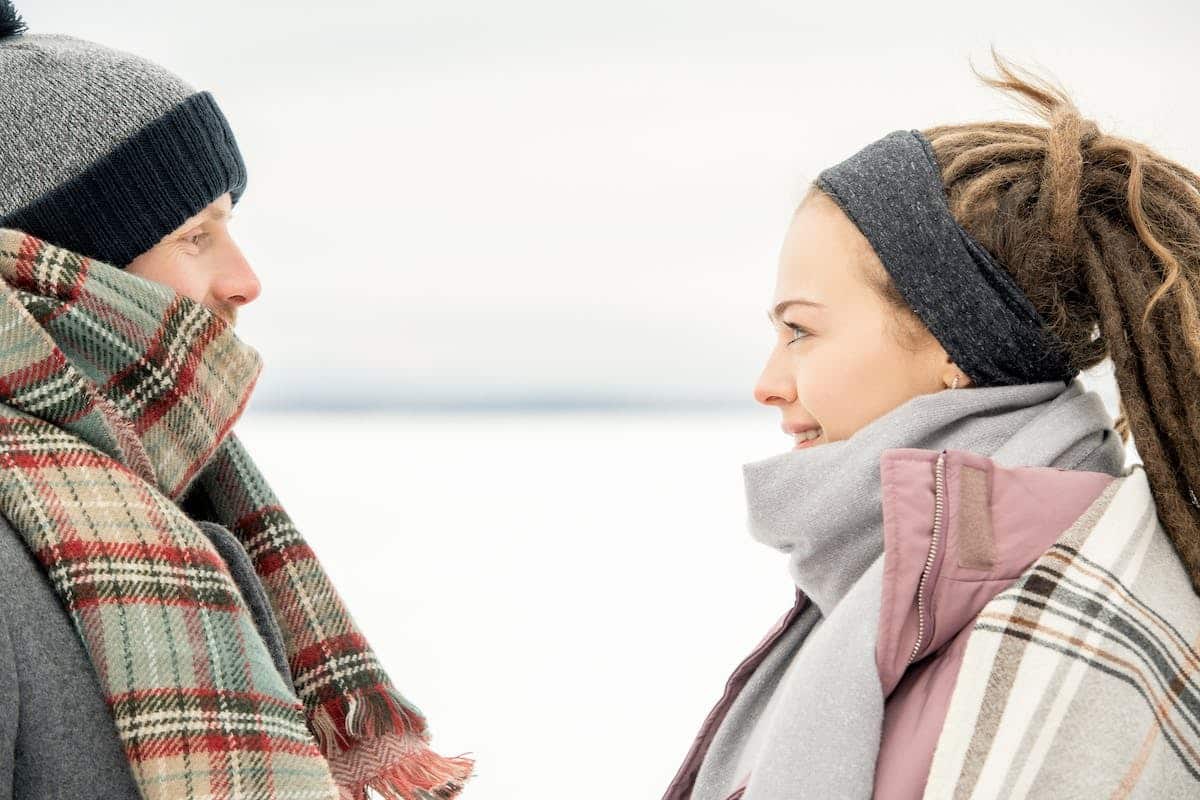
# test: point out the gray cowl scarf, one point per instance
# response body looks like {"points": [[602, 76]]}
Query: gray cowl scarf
{"points": [[819, 685]]}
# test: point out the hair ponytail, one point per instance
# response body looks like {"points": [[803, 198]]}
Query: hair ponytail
{"points": [[1103, 235]]}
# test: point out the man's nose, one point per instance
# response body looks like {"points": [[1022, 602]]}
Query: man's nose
{"points": [[238, 284], [776, 385]]}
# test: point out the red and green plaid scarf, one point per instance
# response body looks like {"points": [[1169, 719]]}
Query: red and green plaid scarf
{"points": [[118, 397]]}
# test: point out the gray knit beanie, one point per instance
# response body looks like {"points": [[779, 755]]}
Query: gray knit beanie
{"points": [[101, 151]]}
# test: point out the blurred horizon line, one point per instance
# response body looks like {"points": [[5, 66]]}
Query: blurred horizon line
{"points": [[535, 404]]}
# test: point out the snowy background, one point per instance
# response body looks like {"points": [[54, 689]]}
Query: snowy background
{"points": [[515, 258]]}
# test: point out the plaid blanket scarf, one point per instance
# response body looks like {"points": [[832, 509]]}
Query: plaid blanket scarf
{"points": [[117, 397], [1082, 679]]}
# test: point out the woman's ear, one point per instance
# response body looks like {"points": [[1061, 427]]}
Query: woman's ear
{"points": [[945, 369], [953, 377]]}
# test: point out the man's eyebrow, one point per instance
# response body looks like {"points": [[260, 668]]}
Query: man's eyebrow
{"points": [[214, 214], [774, 314]]}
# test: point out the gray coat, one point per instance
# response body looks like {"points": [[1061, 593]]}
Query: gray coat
{"points": [[58, 740]]}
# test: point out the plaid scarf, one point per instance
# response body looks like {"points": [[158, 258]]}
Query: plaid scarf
{"points": [[117, 399], [1082, 679]]}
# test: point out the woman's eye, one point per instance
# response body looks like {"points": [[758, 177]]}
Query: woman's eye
{"points": [[796, 329], [196, 238]]}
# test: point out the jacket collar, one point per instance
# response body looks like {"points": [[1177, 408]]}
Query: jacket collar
{"points": [[822, 505], [993, 523]]}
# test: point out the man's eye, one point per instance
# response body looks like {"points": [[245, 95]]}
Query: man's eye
{"points": [[796, 329], [196, 238]]}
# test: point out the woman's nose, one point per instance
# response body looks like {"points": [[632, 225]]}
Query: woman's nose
{"points": [[775, 385]]}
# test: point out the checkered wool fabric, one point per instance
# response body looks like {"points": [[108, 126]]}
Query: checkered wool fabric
{"points": [[117, 397]]}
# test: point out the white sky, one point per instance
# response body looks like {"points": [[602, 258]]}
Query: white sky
{"points": [[470, 203]]}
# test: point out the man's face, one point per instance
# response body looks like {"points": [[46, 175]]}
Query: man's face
{"points": [[200, 259]]}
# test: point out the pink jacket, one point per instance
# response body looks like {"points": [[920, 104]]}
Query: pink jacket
{"points": [[993, 523]]}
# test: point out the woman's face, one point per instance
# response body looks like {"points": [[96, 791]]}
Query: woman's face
{"points": [[839, 361], [200, 259]]}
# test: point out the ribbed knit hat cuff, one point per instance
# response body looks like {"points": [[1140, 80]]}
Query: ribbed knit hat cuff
{"points": [[127, 201]]}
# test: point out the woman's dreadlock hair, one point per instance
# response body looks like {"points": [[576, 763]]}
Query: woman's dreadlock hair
{"points": [[1103, 235]]}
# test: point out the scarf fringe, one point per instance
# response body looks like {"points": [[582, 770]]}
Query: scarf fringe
{"points": [[421, 775], [378, 740]]}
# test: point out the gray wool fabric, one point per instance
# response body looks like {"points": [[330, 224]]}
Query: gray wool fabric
{"points": [[58, 740], [102, 151], [893, 192], [60, 120], [809, 720], [252, 589]]}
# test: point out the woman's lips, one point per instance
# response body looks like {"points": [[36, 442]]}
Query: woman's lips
{"points": [[809, 443]]}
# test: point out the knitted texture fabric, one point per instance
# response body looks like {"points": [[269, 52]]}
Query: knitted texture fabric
{"points": [[822, 507], [892, 191], [102, 151], [117, 397]]}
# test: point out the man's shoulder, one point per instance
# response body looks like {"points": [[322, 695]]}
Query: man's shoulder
{"points": [[18, 564], [33, 612]]}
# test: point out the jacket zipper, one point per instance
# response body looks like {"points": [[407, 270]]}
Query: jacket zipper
{"points": [[939, 490]]}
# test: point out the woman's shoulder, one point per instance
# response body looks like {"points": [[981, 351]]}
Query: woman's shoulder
{"points": [[1099, 635]]}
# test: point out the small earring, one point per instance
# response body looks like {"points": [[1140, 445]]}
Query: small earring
{"points": [[955, 384]]}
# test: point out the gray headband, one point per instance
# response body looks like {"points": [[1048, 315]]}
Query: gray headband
{"points": [[892, 190]]}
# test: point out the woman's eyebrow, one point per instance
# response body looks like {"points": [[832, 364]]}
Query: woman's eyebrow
{"points": [[774, 314]]}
